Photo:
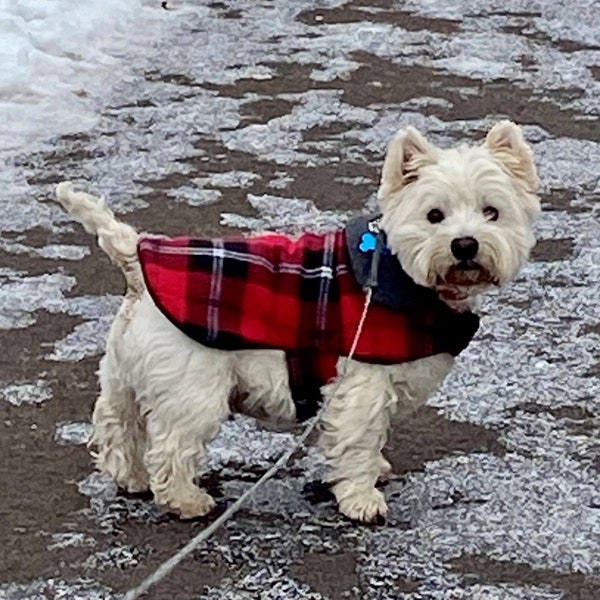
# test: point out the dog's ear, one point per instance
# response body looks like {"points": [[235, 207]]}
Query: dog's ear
{"points": [[506, 143], [406, 154]]}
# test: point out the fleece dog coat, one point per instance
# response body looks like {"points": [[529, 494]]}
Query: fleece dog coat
{"points": [[304, 296]]}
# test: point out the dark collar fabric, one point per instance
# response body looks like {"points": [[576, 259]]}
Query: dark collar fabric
{"points": [[395, 289]]}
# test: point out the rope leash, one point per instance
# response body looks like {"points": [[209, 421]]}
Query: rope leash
{"points": [[166, 567]]}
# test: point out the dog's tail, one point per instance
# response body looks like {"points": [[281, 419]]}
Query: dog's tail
{"points": [[117, 239]]}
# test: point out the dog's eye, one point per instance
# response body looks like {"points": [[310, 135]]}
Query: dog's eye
{"points": [[490, 213], [435, 216]]}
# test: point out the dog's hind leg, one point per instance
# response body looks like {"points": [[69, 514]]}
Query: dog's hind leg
{"points": [[184, 415], [119, 434]]}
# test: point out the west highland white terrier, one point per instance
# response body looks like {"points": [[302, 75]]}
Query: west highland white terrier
{"points": [[261, 325]]}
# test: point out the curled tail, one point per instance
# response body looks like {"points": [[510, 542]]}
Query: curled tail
{"points": [[117, 239]]}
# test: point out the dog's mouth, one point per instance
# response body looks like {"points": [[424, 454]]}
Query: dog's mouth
{"points": [[468, 265], [467, 273]]}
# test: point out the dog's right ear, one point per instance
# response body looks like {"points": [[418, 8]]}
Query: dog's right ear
{"points": [[506, 143], [406, 154]]}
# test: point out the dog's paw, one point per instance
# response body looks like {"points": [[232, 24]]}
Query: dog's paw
{"points": [[367, 507], [198, 506]]}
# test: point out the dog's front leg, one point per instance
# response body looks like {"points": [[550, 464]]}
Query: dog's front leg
{"points": [[354, 431]]}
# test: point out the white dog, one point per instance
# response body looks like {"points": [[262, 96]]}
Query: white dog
{"points": [[456, 220]]}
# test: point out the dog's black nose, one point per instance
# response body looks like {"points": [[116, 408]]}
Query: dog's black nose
{"points": [[464, 248]]}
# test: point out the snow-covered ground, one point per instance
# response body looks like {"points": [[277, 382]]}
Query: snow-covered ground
{"points": [[59, 58]]}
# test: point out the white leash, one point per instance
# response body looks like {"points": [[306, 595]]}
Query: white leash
{"points": [[166, 567]]}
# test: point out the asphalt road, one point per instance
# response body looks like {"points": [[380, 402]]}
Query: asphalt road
{"points": [[251, 115]]}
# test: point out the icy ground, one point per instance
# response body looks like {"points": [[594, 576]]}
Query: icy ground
{"points": [[252, 115]]}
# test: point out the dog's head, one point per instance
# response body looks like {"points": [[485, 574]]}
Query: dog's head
{"points": [[460, 219]]}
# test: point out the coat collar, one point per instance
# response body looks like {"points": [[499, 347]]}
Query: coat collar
{"points": [[395, 288]]}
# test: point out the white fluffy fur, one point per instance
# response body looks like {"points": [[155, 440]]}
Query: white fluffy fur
{"points": [[163, 396]]}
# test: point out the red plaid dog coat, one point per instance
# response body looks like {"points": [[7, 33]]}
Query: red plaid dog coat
{"points": [[302, 296]]}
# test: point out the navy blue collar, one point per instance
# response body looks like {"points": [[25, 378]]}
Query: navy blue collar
{"points": [[393, 287]]}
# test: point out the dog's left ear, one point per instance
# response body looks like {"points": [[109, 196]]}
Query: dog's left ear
{"points": [[407, 152], [506, 142]]}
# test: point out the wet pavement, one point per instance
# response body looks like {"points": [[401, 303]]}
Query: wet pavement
{"points": [[252, 115]]}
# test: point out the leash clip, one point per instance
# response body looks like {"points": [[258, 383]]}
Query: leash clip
{"points": [[376, 231]]}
